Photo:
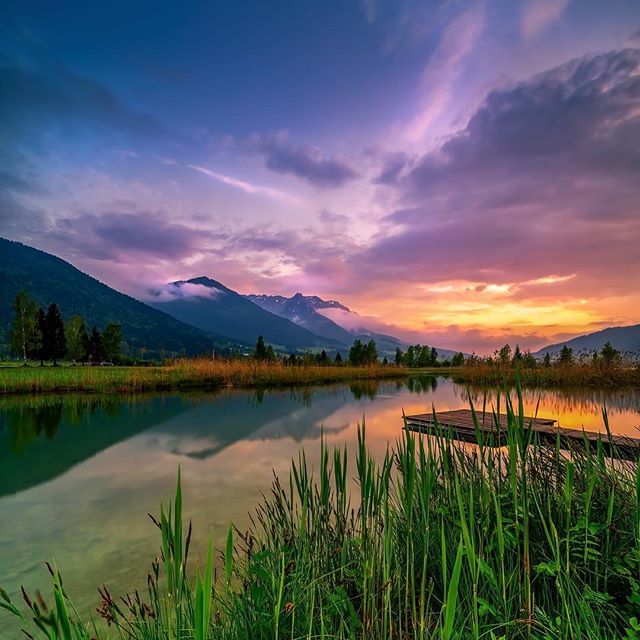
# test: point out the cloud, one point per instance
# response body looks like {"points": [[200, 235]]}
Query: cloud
{"points": [[243, 185], [444, 68], [303, 161], [543, 178], [183, 291], [393, 165], [537, 15], [115, 235], [47, 96]]}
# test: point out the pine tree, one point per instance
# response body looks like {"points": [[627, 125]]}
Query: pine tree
{"points": [[54, 334], [609, 354], [261, 350], [41, 341], [338, 358], [399, 355], [111, 342], [24, 328], [95, 350]]}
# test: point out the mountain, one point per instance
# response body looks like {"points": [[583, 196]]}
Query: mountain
{"points": [[50, 279], [624, 339], [301, 310], [209, 305], [331, 318]]}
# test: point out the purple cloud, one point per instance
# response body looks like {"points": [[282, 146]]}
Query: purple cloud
{"points": [[303, 161], [109, 235], [544, 179]]}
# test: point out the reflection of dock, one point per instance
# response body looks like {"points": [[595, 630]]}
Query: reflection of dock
{"points": [[493, 430]]}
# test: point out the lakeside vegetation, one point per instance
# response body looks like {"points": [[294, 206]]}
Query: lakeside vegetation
{"points": [[183, 374], [604, 368], [434, 541]]}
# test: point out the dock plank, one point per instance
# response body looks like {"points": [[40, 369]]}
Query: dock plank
{"points": [[459, 423]]}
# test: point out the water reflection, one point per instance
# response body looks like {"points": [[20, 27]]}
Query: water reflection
{"points": [[78, 474]]}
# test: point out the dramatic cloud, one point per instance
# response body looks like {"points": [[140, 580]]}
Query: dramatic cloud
{"points": [[283, 156], [544, 178]]}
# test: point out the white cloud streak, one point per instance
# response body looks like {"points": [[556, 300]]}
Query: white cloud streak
{"points": [[245, 186]]}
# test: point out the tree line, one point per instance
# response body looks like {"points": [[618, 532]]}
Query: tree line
{"points": [[42, 335], [360, 354], [605, 357]]}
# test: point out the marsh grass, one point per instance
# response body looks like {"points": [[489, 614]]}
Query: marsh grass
{"points": [[181, 374], [439, 540], [577, 374]]}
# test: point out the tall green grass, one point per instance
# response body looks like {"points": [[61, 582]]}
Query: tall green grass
{"points": [[436, 540]]}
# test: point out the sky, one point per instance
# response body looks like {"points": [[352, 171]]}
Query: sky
{"points": [[462, 173]]}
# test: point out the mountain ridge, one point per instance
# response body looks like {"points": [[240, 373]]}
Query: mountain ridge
{"points": [[625, 339], [211, 306]]}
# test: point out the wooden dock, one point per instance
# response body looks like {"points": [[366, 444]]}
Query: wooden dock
{"points": [[459, 425]]}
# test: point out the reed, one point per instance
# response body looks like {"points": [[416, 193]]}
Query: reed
{"points": [[438, 540], [181, 374], [577, 374]]}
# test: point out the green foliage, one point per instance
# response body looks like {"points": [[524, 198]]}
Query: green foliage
{"points": [[95, 348], [566, 356], [264, 353], [418, 356], [457, 360], [609, 355], [363, 354], [77, 338], [53, 339], [112, 342], [24, 328]]}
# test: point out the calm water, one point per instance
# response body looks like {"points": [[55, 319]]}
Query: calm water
{"points": [[79, 474]]}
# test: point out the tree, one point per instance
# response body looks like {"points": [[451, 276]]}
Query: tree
{"points": [[517, 356], [54, 338], [24, 327], [609, 354], [385, 360], [95, 350], [529, 360], [322, 357], [458, 359], [77, 338], [566, 355], [399, 355], [40, 345], [504, 354], [338, 358], [546, 361], [111, 342], [434, 356], [260, 352]]}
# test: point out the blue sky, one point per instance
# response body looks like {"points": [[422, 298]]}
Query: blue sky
{"points": [[443, 167]]}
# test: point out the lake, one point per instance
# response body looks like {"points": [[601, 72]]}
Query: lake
{"points": [[78, 474]]}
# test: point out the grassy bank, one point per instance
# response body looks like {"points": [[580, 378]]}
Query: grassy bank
{"points": [[181, 374], [438, 541], [555, 376]]}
